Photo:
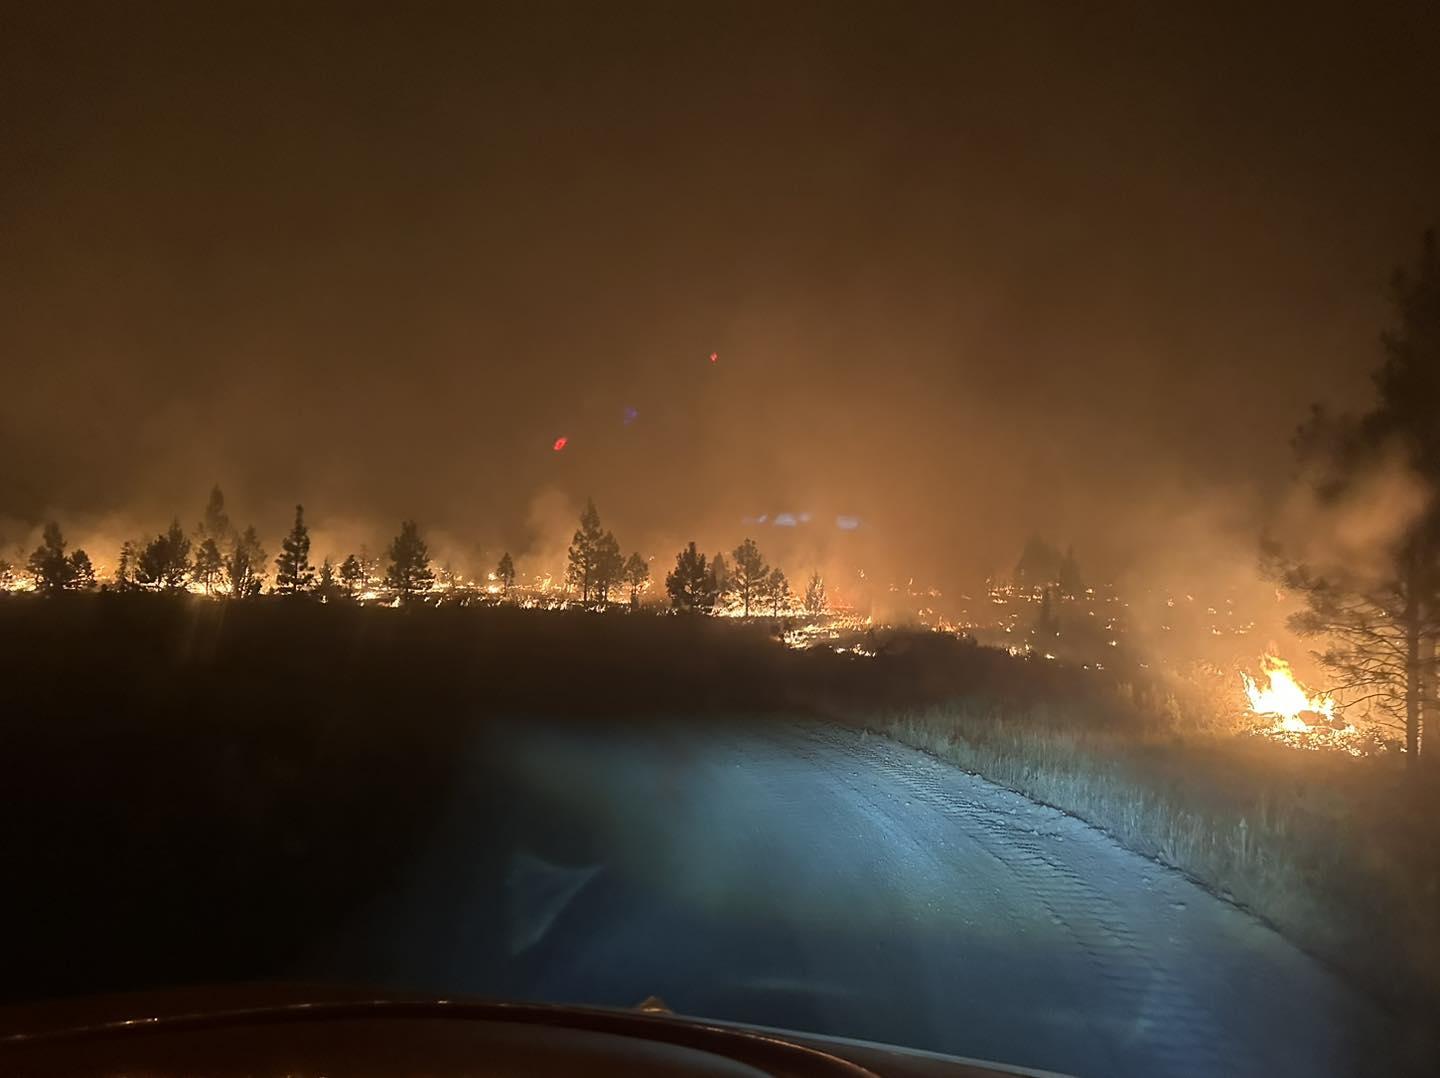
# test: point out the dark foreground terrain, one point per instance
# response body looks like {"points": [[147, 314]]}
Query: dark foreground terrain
{"points": [[194, 789], [568, 808]]}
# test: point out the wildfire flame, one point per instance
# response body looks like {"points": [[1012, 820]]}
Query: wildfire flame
{"points": [[1286, 699]]}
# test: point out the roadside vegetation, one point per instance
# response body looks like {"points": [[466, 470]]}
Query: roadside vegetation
{"points": [[1338, 853]]}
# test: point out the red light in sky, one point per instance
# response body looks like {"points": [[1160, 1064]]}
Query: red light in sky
{"points": [[560, 443], [714, 356]]}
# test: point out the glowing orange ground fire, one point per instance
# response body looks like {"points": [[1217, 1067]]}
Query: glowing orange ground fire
{"points": [[1294, 716], [1286, 699]]}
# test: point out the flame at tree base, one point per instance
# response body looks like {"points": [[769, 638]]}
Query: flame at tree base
{"points": [[1284, 698], [1295, 716]]}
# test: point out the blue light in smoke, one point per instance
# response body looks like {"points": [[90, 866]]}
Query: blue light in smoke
{"points": [[847, 523], [784, 520]]}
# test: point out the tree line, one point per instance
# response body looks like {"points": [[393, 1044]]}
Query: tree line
{"points": [[220, 559]]}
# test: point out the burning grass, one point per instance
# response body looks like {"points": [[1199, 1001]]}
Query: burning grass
{"points": [[1297, 717]]}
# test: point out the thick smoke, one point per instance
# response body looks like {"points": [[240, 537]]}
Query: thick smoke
{"points": [[959, 303]]}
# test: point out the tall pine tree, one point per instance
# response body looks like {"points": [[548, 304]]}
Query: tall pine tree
{"points": [[409, 574], [165, 561], [245, 565], [293, 571], [505, 573], [777, 590], [49, 565], [608, 568], [751, 574], [126, 566], [351, 574], [1377, 610], [691, 584], [815, 594], [637, 576], [582, 557], [209, 565]]}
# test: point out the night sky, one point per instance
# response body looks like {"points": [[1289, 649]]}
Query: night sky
{"points": [[969, 274]]}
